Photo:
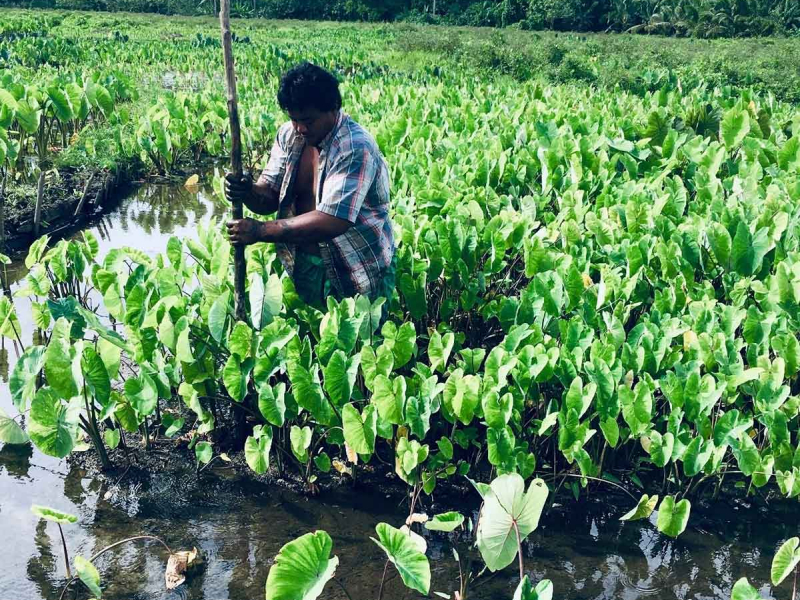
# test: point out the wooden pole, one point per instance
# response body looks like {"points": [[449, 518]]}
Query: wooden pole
{"points": [[3, 213], [82, 201], [239, 265], [37, 213]]}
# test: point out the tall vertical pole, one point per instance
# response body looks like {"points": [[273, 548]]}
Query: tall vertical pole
{"points": [[239, 265]]}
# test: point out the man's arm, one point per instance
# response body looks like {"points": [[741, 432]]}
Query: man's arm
{"points": [[262, 199], [311, 227]]}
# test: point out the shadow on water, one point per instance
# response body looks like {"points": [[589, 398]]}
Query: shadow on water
{"points": [[240, 525]]}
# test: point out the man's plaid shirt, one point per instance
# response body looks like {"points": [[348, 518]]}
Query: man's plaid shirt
{"points": [[353, 184]]}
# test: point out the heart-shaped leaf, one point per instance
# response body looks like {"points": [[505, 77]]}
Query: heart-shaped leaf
{"points": [[302, 568], [405, 555], [10, 431], [448, 521], [508, 509], [673, 517], [257, 449], [88, 575], [360, 429], [22, 382], [642, 510], [786, 559], [51, 514], [742, 590]]}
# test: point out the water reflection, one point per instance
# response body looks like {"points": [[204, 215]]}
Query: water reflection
{"points": [[16, 460], [43, 569]]}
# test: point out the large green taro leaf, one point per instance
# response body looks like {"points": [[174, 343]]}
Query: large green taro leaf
{"points": [[742, 590], [58, 361], [360, 430], [89, 575], [53, 424], [508, 509], [22, 383], [404, 554], [673, 516], [302, 568], [340, 376], [461, 395], [447, 522], [785, 561], [10, 431], [257, 448], [272, 403], [266, 299]]}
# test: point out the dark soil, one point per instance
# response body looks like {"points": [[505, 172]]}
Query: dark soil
{"points": [[62, 194]]}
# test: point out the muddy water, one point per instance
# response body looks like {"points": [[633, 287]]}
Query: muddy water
{"points": [[240, 525]]}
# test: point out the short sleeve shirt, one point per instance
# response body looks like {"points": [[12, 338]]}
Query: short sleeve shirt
{"points": [[353, 184]]}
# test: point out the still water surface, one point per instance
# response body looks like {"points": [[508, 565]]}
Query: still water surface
{"points": [[240, 525]]}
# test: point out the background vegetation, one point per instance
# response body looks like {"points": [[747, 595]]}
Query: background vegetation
{"points": [[700, 18]]}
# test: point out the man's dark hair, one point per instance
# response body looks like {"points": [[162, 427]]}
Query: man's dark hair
{"points": [[309, 86]]}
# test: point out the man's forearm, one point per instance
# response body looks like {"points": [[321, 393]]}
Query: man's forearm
{"points": [[307, 228], [262, 200]]}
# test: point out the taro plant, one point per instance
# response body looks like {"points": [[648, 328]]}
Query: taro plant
{"points": [[784, 563], [304, 566], [178, 564], [673, 515], [59, 518]]}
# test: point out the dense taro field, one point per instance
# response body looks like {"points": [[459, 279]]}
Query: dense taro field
{"points": [[597, 289]]}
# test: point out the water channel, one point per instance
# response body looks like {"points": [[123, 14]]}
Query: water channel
{"points": [[239, 525]]}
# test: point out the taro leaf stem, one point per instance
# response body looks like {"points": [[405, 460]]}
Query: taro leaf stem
{"points": [[616, 485], [383, 579], [794, 585], [66, 553], [519, 551]]}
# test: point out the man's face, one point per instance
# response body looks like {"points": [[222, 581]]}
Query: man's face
{"points": [[313, 124]]}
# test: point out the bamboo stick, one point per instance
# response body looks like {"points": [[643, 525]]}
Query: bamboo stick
{"points": [[239, 265], [3, 212], [79, 208]]}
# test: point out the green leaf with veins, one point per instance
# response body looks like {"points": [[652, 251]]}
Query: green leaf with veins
{"points": [[403, 553], [508, 512], [302, 568]]}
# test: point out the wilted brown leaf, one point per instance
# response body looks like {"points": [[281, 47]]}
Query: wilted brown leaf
{"points": [[193, 184], [177, 566], [341, 467], [417, 518], [351, 454], [689, 339]]}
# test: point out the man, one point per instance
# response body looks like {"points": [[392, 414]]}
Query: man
{"points": [[329, 184]]}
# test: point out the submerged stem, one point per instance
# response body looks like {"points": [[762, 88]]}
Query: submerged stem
{"points": [[66, 554]]}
